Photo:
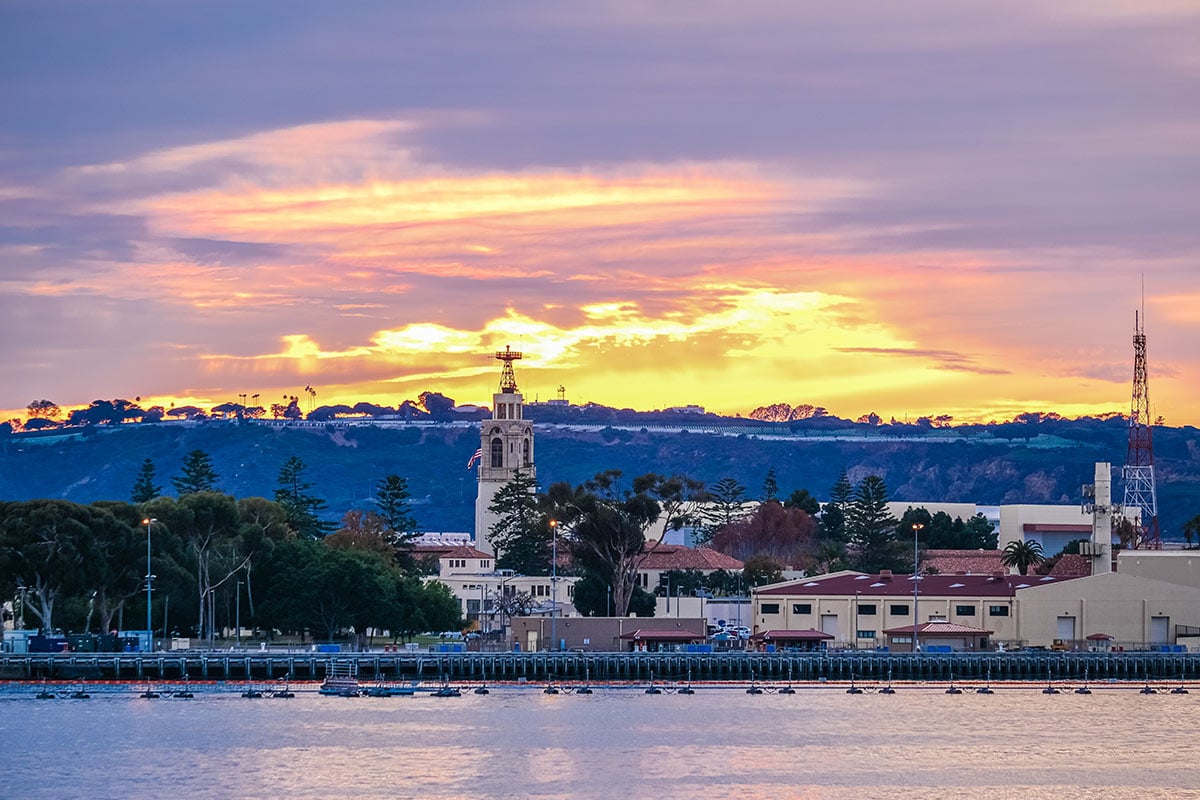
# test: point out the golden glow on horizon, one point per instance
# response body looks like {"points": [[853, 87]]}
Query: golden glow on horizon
{"points": [[634, 285]]}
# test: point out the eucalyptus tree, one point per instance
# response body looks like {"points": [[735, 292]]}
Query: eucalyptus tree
{"points": [[209, 524], [47, 551], [117, 575], [607, 525]]}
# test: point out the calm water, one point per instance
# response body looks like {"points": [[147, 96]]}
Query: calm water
{"points": [[620, 743]]}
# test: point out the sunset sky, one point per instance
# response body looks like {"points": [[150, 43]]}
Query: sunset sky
{"points": [[907, 208]]}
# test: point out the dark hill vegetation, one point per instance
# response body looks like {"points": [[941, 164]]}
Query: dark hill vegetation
{"points": [[1033, 461]]}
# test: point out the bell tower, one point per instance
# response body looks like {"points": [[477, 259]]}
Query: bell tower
{"points": [[505, 447]]}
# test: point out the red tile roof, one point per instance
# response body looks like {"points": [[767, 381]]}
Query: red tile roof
{"points": [[1072, 565], [448, 551], [883, 585], [676, 556], [964, 562], [932, 630]]}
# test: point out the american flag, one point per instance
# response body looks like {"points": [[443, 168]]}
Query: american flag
{"points": [[478, 455]]}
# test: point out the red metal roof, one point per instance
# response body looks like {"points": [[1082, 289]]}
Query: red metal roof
{"points": [[779, 635], [671, 634], [851, 584]]}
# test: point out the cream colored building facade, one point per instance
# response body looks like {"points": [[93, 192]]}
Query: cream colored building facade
{"points": [[471, 576], [1019, 610], [1172, 566]]}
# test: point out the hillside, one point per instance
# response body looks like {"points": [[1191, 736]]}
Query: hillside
{"points": [[1035, 463]]}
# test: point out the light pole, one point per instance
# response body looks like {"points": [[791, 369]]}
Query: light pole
{"points": [[21, 591], [917, 526], [554, 582], [857, 598], [237, 620], [149, 584]]}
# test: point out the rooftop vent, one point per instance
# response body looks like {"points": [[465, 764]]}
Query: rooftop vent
{"points": [[885, 574]]}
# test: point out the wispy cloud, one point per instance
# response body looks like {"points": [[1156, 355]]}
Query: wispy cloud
{"points": [[940, 208]]}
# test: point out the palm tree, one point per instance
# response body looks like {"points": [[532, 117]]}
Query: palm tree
{"points": [[1191, 530], [1022, 555]]}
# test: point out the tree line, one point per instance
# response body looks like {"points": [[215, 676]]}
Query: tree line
{"points": [[73, 566]]}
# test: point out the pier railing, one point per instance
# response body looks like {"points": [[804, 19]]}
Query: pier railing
{"points": [[730, 666]]}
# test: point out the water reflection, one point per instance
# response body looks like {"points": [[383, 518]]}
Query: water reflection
{"points": [[513, 743]]}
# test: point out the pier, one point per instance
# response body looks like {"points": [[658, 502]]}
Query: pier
{"points": [[735, 666]]}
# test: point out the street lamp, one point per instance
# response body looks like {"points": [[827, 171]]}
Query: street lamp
{"points": [[238, 614], [554, 582], [917, 527], [149, 583]]}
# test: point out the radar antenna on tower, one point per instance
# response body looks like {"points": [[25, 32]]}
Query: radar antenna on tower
{"points": [[508, 379], [1138, 473]]}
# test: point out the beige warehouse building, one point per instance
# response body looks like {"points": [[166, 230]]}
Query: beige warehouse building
{"points": [[1018, 610]]}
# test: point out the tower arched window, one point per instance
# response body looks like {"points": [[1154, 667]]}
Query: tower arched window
{"points": [[525, 449], [497, 452]]}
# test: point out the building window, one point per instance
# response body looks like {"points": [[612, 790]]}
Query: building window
{"points": [[866, 610], [964, 611], [801, 608], [997, 611], [770, 608], [526, 459], [485, 564], [497, 452], [899, 610], [866, 634], [901, 640]]}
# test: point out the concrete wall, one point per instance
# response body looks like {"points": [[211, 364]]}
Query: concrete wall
{"points": [[1122, 606], [1014, 518], [1173, 566], [600, 634]]}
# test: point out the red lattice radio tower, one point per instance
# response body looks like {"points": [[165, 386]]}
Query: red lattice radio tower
{"points": [[508, 379], [1140, 490]]}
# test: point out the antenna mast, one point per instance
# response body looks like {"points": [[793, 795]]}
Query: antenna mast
{"points": [[508, 379], [1138, 473]]}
